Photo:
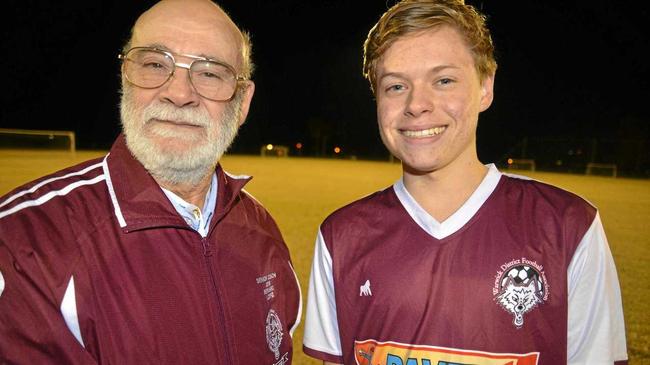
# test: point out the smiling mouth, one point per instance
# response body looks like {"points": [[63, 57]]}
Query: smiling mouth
{"points": [[179, 123], [423, 133]]}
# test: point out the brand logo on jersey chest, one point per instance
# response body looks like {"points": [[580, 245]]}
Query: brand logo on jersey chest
{"points": [[520, 286], [364, 290]]}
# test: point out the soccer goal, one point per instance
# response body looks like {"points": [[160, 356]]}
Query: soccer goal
{"points": [[521, 164], [271, 150], [30, 139], [601, 169]]}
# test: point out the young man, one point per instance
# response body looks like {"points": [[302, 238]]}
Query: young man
{"points": [[153, 254], [456, 263]]}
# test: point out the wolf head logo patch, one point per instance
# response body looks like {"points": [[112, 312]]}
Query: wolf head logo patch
{"points": [[519, 287]]}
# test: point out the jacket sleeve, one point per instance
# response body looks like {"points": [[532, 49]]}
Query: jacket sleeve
{"points": [[596, 330], [32, 328]]}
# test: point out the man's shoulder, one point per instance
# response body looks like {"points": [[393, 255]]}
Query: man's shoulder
{"points": [[255, 212], [546, 198], [55, 190], [251, 204], [366, 209]]}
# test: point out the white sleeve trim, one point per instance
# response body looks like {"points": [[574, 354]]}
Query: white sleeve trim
{"points": [[51, 195], [69, 311], [299, 315], [45, 182], [2, 283], [321, 322], [596, 331]]}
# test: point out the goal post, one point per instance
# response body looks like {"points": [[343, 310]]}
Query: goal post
{"points": [[601, 169], [37, 139], [521, 164]]}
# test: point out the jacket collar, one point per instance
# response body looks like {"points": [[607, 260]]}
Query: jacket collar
{"points": [[138, 201]]}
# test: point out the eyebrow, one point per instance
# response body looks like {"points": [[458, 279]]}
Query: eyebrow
{"points": [[431, 71], [158, 46]]}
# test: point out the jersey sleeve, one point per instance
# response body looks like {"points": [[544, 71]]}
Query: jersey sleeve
{"points": [[321, 339], [596, 330]]}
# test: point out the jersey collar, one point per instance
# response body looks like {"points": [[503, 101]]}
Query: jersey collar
{"points": [[456, 221]]}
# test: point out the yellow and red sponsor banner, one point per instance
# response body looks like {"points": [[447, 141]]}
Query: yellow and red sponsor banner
{"points": [[371, 352]]}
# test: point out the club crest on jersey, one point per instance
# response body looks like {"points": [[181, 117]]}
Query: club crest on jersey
{"points": [[274, 332], [520, 286]]}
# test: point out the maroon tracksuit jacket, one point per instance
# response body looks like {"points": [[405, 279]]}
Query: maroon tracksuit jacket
{"points": [[96, 266]]}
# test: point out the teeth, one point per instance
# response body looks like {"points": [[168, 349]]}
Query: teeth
{"points": [[424, 132]]}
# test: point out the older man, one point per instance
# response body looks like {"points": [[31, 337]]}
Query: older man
{"points": [[153, 254], [456, 263]]}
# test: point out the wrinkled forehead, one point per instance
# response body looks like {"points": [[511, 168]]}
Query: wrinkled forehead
{"points": [[190, 27]]}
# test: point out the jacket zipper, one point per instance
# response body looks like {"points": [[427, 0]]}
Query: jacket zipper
{"points": [[207, 253]]}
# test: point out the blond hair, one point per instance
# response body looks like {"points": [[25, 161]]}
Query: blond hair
{"points": [[412, 16]]}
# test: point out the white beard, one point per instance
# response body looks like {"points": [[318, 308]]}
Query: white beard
{"points": [[201, 153]]}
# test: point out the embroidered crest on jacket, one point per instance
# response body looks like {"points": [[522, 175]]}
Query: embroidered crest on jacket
{"points": [[274, 332]]}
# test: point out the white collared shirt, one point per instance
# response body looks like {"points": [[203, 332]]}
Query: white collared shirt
{"points": [[196, 218]]}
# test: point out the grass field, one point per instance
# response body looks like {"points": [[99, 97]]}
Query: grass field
{"points": [[301, 192]]}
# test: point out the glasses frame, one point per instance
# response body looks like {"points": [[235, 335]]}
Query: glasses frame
{"points": [[187, 66]]}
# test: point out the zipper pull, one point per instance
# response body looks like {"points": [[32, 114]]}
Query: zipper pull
{"points": [[207, 251]]}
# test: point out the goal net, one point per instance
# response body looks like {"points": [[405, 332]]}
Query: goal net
{"points": [[30, 139], [521, 164], [601, 169], [271, 150]]}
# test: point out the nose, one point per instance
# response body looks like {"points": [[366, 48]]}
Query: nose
{"points": [[420, 101], [178, 90]]}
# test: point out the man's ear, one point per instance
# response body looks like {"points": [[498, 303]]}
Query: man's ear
{"points": [[248, 89], [487, 92]]}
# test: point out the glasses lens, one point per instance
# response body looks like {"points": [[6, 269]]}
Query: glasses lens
{"points": [[148, 68], [213, 80]]}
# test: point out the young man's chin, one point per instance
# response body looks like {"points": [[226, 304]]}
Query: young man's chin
{"points": [[416, 166]]}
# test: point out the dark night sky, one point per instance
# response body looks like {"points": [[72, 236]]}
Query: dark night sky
{"points": [[566, 69]]}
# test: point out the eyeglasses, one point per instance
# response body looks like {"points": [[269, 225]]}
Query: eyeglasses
{"points": [[150, 68]]}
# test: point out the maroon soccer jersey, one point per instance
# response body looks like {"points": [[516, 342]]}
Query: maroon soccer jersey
{"points": [[97, 266], [520, 274]]}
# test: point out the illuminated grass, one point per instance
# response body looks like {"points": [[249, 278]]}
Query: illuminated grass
{"points": [[301, 192]]}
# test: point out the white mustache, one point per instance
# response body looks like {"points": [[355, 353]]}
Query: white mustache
{"points": [[160, 111]]}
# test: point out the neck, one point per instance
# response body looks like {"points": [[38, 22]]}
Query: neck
{"points": [[442, 192], [191, 193]]}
